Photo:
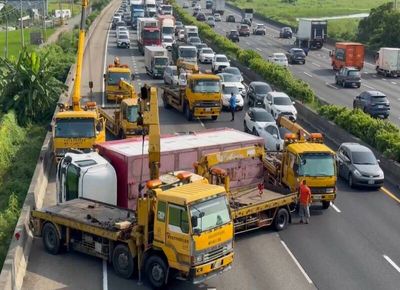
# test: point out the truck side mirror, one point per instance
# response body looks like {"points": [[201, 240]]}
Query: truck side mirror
{"points": [[132, 77], [330, 53], [193, 220], [104, 75]]}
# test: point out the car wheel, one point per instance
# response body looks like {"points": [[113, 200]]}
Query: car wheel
{"points": [[245, 127], [354, 105], [350, 180]]}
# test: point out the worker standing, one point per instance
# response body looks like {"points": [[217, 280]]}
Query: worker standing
{"points": [[232, 104], [304, 200]]}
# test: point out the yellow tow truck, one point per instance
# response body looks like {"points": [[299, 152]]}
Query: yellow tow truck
{"points": [[121, 119], [198, 97], [77, 127], [304, 156], [182, 226], [116, 72]]}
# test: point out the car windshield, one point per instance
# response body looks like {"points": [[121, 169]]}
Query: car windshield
{"points": [[132, 113], [229, 90], [168, 30], [298, 52], [279, 56], [187, 52], [123, 36], [151, 34], [379, 98], [210, 18], [354, 73], [210, 214], [230, 78], [174, 72], [167, 40], [317, 164], [195, 40], [115, 77], [232, 70], [161, 61], [221, 59], [260, 26], [206, 86], [263, 116], [208, 51], [363, 157], [262, 89], [282, 101], [75, 128]]}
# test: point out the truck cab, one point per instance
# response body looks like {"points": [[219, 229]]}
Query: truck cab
{"points": [[114, 74]]}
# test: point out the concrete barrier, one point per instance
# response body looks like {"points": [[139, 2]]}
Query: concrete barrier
{"points": [[15, 264]]}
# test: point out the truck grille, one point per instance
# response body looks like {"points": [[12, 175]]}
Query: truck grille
{"points": [[318, 190], [207, 104], [215, 254]]}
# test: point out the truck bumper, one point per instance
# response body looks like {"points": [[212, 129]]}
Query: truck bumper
{"points": [[201, 273], [206, 112], [323, 197]]}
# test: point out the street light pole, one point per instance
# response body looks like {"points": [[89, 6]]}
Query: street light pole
{"points": [[22, 27]]}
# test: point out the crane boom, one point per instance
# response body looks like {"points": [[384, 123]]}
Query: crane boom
{"points": [[126, 86], [76, 98]]}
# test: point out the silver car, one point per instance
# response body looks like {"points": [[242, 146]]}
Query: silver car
{"points": [[274, 137], [171, 75], [358, 165]]}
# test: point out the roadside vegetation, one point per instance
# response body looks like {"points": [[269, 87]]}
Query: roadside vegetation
{"points": [[382, 135]]}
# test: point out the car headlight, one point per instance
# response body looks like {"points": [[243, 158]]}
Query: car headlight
{"points": [[330, 190], [229, 246], [381, 174], [356, 172], [199, 258]]}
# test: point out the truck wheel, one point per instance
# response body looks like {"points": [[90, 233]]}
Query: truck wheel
{"points": [[165, 102], [188, 113], [326, 204], [214, 118], [281, 219], [156, 271], [51, 239], [121, 134], [122, 261]]}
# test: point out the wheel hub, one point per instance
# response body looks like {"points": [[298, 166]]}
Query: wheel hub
{"points": [[123, 261], [157, 272]]}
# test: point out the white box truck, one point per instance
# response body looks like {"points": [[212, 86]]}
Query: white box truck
{"points": [[218, 6], [311, 33], [388, 61], [155, 60]]}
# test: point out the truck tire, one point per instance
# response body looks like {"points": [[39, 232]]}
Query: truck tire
{"points": [[156, 271], [326, 204], [281, 219], [188, 113], [51, 239], [122, 261], [165, 102], [214, 118]]}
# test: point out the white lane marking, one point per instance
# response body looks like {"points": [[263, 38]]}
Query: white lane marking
{"points": [[390, 261], [335, 208], [201, 123], [104, 65], [316, 64], [331, 86], [259, 49], [248, 43], [384, 79], [105, 278], [297, 263], [394, 83], [365, 72], [307, 74], [367, 86], [374, 76]]}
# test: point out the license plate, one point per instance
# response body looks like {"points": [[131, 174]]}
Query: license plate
{"points": [[208, 109], [217, 264], [316, 197], [380, 106], [371, 181]]}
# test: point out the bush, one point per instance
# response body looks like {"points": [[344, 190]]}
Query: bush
{"points": [[380, 134], [8, 219]]}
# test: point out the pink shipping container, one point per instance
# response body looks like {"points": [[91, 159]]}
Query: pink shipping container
{"points": [[179, 152]]}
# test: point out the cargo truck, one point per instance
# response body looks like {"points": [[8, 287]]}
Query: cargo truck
{"points": [[150, 7], [171, 232], [184, 53], [167, 24], [387, 61], [349, 54], [218, 7], [155, 60], [311, 33], [135, 15], [148, 33], [247, 13], [191, 31], [209, 4]]}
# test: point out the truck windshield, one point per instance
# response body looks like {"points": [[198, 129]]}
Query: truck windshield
{"points": [[138, 13], [132, 113], [161, 61], [151, 34], [210, 213], [187, 52], [317, 164], [168, 30], [75, 128], [206, 86], [115, 77]]}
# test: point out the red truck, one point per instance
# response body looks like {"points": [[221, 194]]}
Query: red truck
{"points": [[349, 54], [148, 32]]}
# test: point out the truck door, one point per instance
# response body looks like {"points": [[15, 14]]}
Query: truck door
{"points": [[177, 236], [159, 224], [72, 182]]}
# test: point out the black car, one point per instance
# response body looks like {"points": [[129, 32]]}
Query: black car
{"points": [[374, 103], [257, 92], [286, 32], [348, 76], [246, 21], [233, 35], [201, 17], [230, 18], [296, 55]]}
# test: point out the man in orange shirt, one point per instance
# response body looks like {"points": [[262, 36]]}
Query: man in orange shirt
{"points": [[304, 200]]}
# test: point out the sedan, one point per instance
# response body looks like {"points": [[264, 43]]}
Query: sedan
{"points": [[211, 21], [256, 119], [171, 75], [260, 29], [193, 40], [219, 62], [278, 103], [206, 55], [286, 32], [357, 164], [230, 18], [226, 96], [274, 137], [235, 71], [201, 17], [279, 58], [256, 93]]}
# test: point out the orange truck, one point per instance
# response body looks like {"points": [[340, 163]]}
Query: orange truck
{"points": [[347, 54]]}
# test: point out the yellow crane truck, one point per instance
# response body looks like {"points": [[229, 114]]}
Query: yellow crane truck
{"points": [[252, 206], [121, 119], [77, 127], [198, 97], [116, 72], [182, 226], [304, 156]]}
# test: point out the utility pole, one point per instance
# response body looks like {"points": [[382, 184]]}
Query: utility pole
{"points": [[22, 27], [6, 46], [61, 12], [44, 20]]}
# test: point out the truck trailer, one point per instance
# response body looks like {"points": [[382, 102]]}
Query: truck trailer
{"points": [[347, 54], [311, 33], [218, 6], [155, 60], [387, 61]]}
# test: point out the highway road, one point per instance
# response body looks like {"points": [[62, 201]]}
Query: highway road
{"points": [[352, 245]]}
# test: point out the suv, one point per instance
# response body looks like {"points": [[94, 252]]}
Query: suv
{"points": [[296, 55], [246, 21], [233, 35], [286, 32], [372, 102], [244, 30], [201, 17], [348, 76], [219, 62], [123, 40], [230, 18], [260, 29], [256, 93]]}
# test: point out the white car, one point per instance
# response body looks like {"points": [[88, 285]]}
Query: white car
{"points": [[232, 80], [279, 58], [123, 40], [121, 29], [235, 71], [219, 62], [181, 35], [206, 55], [217, 17], [171, 75], [256, 119], [226, 96], [278, 103], [273, 136], [167, 41]]}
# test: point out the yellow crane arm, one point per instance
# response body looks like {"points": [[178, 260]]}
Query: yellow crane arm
{"points": [[188, 66], [293, 127], [76, 98], [126, 86]]}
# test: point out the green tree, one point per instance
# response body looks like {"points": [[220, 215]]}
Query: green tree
{"points": [[29, 87]]}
